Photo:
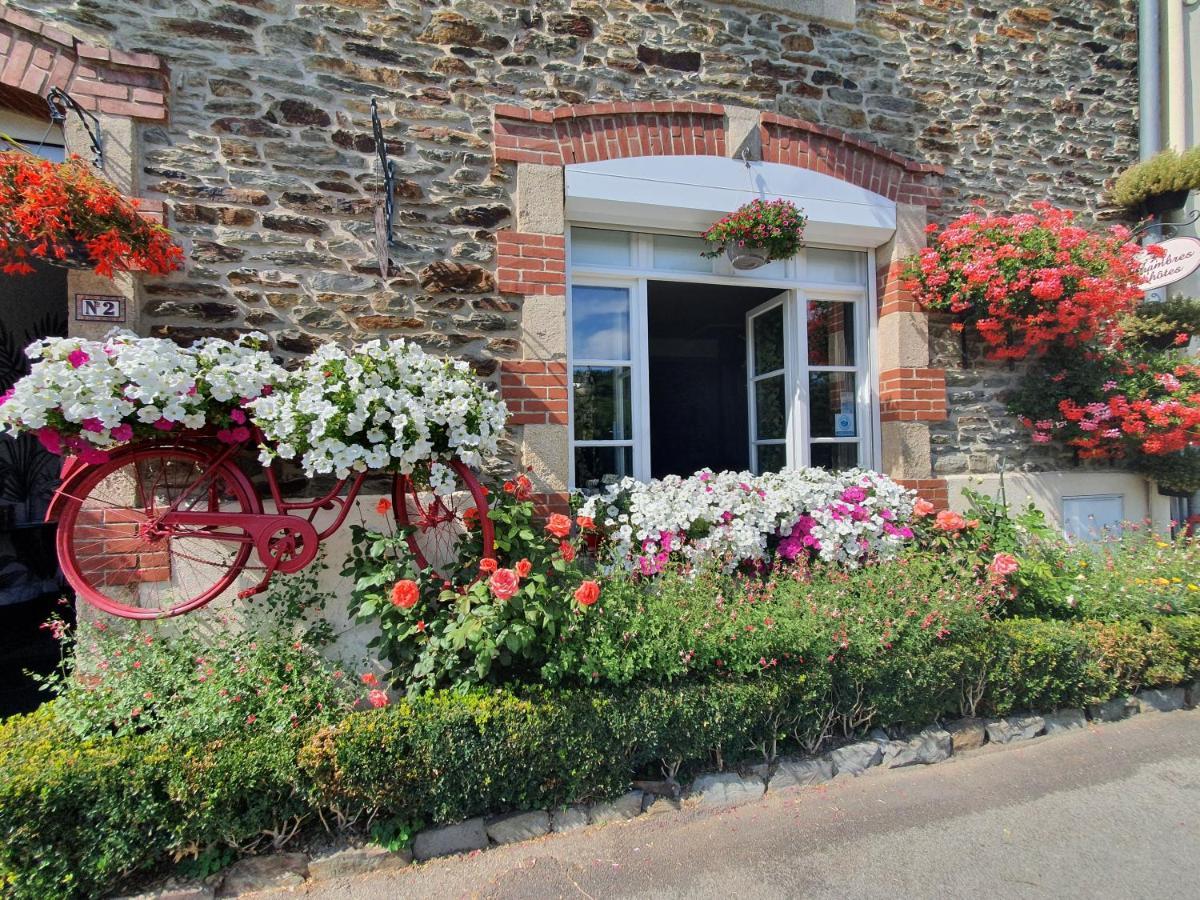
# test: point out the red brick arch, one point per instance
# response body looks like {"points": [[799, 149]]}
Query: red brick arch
{"points": [[35, 56]]}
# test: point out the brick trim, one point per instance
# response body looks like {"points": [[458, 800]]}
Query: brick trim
{"points": [[892, 296], [534, 391], [935, 490], [35, 56], [912, 395], [597, 131], [529, 263], [831, 151]]}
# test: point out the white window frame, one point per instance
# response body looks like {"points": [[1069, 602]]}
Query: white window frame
{"points": [[640, 272]]}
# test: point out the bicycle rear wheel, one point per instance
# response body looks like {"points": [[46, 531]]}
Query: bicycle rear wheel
{"points": [[119, 555], [450, 529]]}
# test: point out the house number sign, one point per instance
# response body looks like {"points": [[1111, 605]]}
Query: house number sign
{"points": [[1181, 257], [99, 308]]}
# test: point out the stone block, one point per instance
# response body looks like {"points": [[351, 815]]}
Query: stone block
{"points": [[568, 819], [1065, 720], [544, 327], [742, 132], [967, 734], [726, 789], [627, 806], [903, 341], [933, 745], [1114, 710], [656, 804], [854, 759], [176, 892], [263, 873], [797, 771], [1015, 728], [540, 199], [1161, 699], [907, 452], [450, 839], [516, 827], [356, 861], [545, 450]]}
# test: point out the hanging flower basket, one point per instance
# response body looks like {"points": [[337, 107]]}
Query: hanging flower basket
{"points": [[66, 214], [757, 233]]}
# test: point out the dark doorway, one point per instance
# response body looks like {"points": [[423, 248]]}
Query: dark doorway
{"points": [[696, 336], [31, 307]]}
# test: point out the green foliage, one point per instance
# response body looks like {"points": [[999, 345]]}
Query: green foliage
{"points": [[471, 629], [1168, 171], [1159, 325], [1043, 665]]}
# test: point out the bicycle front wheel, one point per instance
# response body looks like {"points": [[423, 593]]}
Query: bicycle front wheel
{"points": [[118, 554], [446, 514]]}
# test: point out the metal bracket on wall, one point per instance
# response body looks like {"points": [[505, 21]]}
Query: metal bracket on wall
{"points": [[61, 103], [389, 170], [1160, 230]]}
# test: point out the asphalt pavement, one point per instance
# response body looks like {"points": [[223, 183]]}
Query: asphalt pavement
{"points": [[1112, 811]]}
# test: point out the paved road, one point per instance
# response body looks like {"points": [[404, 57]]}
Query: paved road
{"points": [[1111, 811]]}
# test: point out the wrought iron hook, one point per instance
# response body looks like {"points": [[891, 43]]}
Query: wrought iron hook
{"points": [[389, 169], [1165, 229], [61, 103]]}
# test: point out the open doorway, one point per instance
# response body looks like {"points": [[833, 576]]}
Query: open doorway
{"points": [[700, 404]]}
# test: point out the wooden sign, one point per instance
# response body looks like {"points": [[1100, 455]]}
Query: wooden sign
{"points": [[1180, 258], [99, 308]]}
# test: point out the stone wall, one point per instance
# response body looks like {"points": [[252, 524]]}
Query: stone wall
{"points": [[268, 167]]}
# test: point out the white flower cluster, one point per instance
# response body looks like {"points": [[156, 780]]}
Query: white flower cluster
{"points": [[734, 517], [384, 405], [85, 396]]}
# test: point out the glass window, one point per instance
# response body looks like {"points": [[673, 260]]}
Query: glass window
{"points": [[770, 408], [836, 266], [600, 322], [771, 457], [832, 405], [768, 341], [834, 456], [600, 247], [680, 253], [1093, 518], [596, 467], [603, 403], [830, 333]]}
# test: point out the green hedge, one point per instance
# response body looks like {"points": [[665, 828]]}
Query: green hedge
{"points": [[78, 816]]}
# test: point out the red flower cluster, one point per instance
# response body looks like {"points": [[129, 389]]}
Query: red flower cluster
{"points": [[1027, 283], [772, 224], [53, 211]]}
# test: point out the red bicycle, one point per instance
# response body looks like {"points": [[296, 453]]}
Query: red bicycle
{"points": [[164, 527]]}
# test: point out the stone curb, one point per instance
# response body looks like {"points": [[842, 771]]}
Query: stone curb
{"points": [[715, 791]]}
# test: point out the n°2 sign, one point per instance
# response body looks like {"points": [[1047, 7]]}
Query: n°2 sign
{"points": [[99, 308]]}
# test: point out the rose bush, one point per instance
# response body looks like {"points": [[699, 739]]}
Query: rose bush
{"points": [[383, 405]]}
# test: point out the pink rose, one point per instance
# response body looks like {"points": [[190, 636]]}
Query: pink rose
{"points": [[377, 699], [504, 584], [1003, 565]]}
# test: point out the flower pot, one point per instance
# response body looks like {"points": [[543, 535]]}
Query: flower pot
{"points": [[745, 258], [1157, 204]]}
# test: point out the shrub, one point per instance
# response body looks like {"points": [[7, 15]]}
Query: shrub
{"points": [[1044, 665], [1165, 173]]}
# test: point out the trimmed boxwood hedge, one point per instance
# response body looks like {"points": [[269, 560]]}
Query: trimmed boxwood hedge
{"points": [[78, 816]]}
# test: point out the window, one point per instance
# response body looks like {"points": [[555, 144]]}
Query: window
{"points": [[679, 362], [1092, 518]]}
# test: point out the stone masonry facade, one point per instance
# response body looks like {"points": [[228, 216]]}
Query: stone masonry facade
{"points": [[253, 129]]}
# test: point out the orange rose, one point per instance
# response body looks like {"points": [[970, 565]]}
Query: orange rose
{"points": [[922, 507], [585, 522], [504, 583], [559, 525], [948, 520], [524, 488], [405, 594], [383, 506], [487, 565], [470, 518], [587, 593], [523, 567], [566, 551]]}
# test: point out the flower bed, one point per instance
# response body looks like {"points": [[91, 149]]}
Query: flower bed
{"points": [[737, 517]]}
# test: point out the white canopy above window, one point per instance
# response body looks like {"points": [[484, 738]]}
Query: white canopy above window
{"points": [[685, 193]]}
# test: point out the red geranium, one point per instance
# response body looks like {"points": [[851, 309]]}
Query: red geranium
{"points": [[52, 211], [1027, 283]]}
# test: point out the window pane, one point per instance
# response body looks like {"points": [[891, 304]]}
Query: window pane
{"points": [[596, 467], [834, 456], [603, 404], [600, 322], [832, 408], [771, 457], [839, 266], [830, 333], [1091, 519], [599, 247], [770, 413], [768, 341], [682, 253]]}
